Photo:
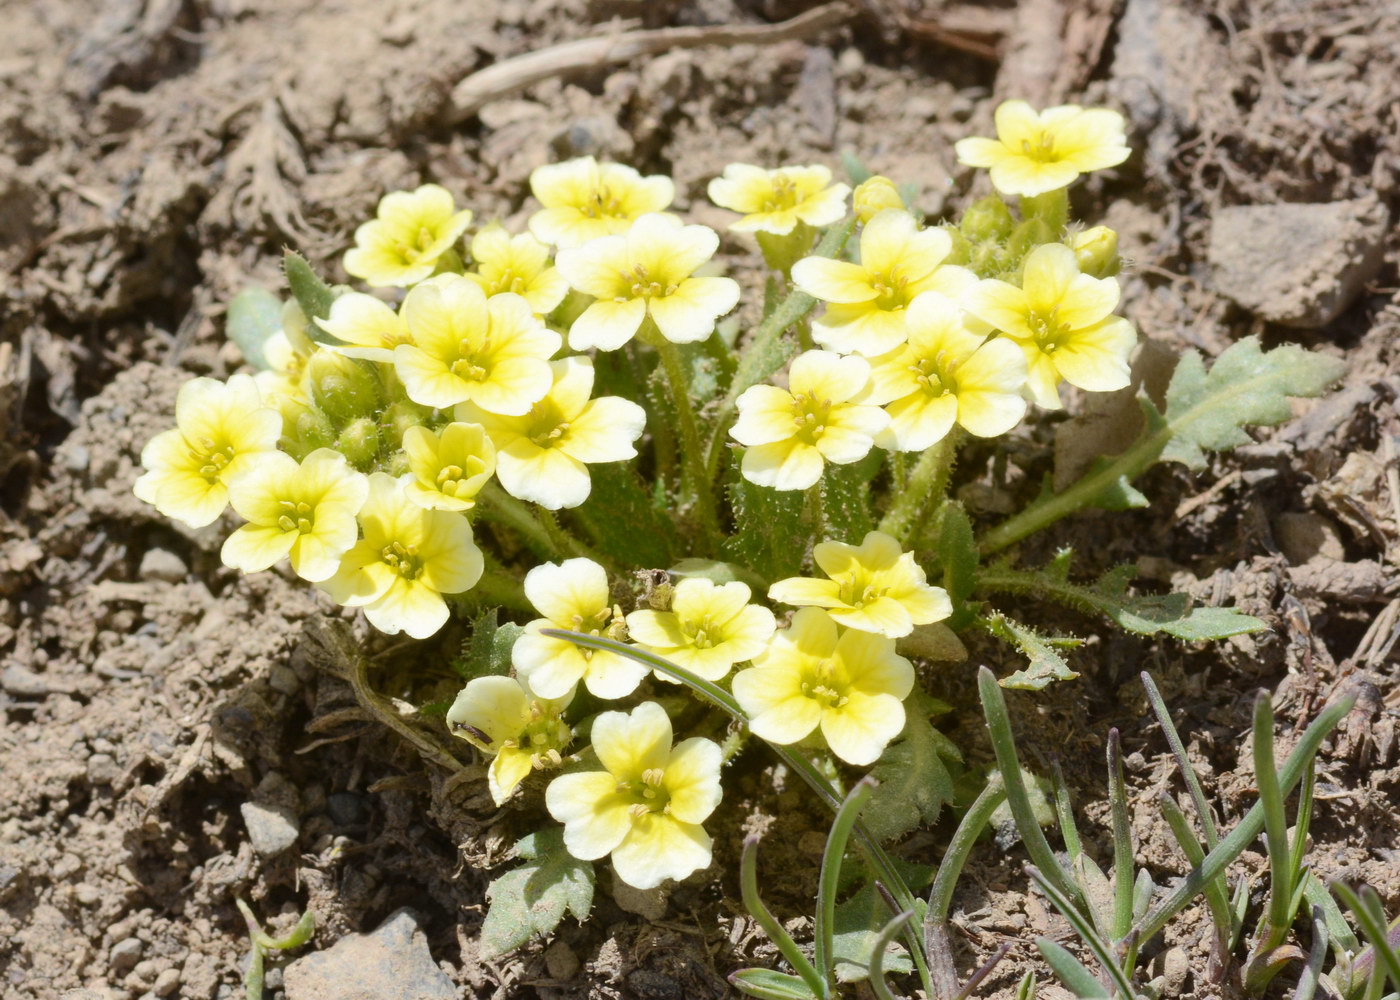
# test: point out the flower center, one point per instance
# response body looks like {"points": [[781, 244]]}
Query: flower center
{"points": [[402, 559], [934, 375], [891, 291], [1042, 150], [781, 196], [1050, 331], [859, 590], [822, 685], [295, 516], [703, 634], [644, 286], [449, 479], [603, 204], [810, 415], [648, 793], [212, 458], [472, 363], [426, 238]]}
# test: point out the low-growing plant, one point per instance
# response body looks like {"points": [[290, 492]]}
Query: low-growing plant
{"points": [[562, 438]]}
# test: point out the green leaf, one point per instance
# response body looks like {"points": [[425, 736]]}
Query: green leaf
{"points": [[957, 549], [622, 521], [845, 500], [312, 294], [858, 924], [487, 649], [1046, 664], [531, 900], [855, 168], [769, 985], [914, 779], [1072, 972], [719, 573], [1244, 387], [771, 538], [1119, 494], [254, 317]]}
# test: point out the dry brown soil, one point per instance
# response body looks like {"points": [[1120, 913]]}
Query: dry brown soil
{"points": [[155, 155]]}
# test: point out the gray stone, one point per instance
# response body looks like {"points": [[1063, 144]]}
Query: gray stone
{"points": [[162, 564], [1297, 265], [390, 963], [125, 954], [167, 983], [23, 682], [345, 809], [272, 829]]}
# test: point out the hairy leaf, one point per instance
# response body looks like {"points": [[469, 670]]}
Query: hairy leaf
{"points": [[1046, 664], [957, 550], [531, 900], [769, 985], [858, 923], [254, 316], [622, 520], [914, 779], [1244, 387], [487, 650], [845, 496], [771, 539], [312, 294]]}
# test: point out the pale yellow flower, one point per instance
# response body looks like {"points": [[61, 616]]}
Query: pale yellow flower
{"points": [[494, 352], [709, 628], [518, 264], [647, 806], [898, 262], [648, 271], [1036, 153], [1063, 321], [408, 558], [302, 510], [521, 731], [448, 468], [777, 201], [944, 375], [573, 595], [849, 683], [584, 199], [874, 195], [219, 429], [411, 230], [543, 456], [873, 587], [368, 328], [791, 433]]}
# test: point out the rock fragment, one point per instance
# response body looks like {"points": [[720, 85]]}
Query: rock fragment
{"points": [[392, 962], [272, 829]]}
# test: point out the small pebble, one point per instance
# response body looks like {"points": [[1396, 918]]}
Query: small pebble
{"points": [[23, 682], [167, 983], [272, 829], [162, 564]]}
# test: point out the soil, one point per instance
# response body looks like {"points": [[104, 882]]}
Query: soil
{"points": [[155, 155]]}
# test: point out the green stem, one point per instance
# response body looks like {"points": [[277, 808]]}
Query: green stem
{"points": [[814, 514], [929, 479], [693, 459], [1043, 513], [567, 543], [500, 506], [1052, 208], [499, 588], [757, 358]]}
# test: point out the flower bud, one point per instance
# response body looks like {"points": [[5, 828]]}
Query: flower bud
{"points": [[341, 386], [987, 219], [1097, 251], [359, 442], [294, 324], [399, 417], [961, 253], [874, 195], [1028, 235]]}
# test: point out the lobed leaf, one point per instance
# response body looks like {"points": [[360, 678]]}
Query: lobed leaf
{"points": [[914, 781], [531, 900], [1209, 410], [857, 929], [487, 650], [1046, 664]]}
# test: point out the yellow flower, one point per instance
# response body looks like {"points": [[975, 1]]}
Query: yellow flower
{"points": [[518, 264], [875, 194], [776, 201], [494, 351], [898, 262], [708, 629], [873, 587], [368, 328], [1063, 320], [790, 433], [573, 595], [851, 684], [648, 271], [305, 511], [945, 374], [408, 558], [410, 231], [1036, 153], [448, 468], [645, 808], [522, 732], [219, 430], [544, 455], [584, 199]]}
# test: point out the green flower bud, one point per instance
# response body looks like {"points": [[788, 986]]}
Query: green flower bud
{"points": [[962, 246], [343, 387], [399, 417], [1028, 235], [987, 219], [781, 252], [1097, 251], [359, 443], [305, 429]]}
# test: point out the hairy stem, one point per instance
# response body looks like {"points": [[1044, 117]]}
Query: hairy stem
{"points": [[929, 480], [693, 457]]}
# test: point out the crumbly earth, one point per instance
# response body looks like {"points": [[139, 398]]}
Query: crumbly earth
{"points": [[155, 155]]}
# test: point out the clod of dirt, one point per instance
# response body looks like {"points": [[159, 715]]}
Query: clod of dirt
{"points": [[1304, 536], [272, 829], [1298, 265], [390, 963]]}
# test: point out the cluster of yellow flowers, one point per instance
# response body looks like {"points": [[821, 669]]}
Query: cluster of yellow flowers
{"points": [[380, 432]]}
